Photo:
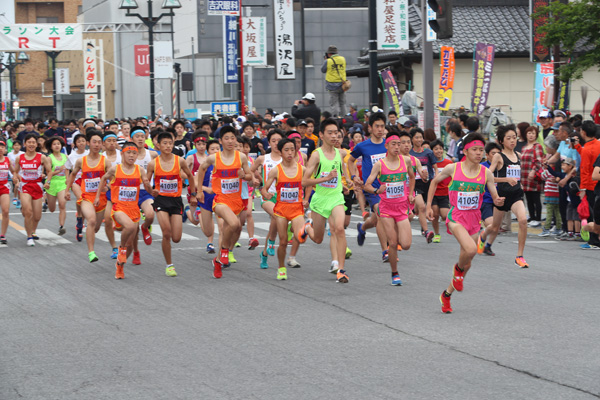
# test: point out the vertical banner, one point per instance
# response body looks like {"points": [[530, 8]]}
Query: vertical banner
{"points": [[392, 24], [447, 70], [141, 56], [538, 53], [483, 64], [163, 60], [544, 78], [254, 43], [63, 85], [230, 49], [285, 63], [431, 16], [391, 90], [90, 73], [562, 102]]}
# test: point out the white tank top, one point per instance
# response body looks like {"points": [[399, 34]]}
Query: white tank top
{"points": [[268, 165], [144, 164]]}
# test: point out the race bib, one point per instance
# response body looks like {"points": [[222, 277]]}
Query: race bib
{"points": [[30, 175], [440, 170], [513, 171], [468, 201], [128, 193], [92, 185], [330, 184], [289, 195], [417, 176], [168, 186], [376, 157], [61, 171], [394, 190], [3, 175], [229, 186], [304, 150]]}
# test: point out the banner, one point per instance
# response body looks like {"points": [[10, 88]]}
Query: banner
{"points": [[163, 60], [63, 85], [41, 37], [141, 56], [431, 16], [544, 77], [230, 49], [537, 52], [254, 43], [391, 90], [392, 24], [483, 64], [285, 59], [90, 71], [447, 70], [223, 7], [562, 101]]}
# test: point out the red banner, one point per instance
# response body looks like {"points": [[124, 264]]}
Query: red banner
{"points": [[141, 53], [539, 53]]}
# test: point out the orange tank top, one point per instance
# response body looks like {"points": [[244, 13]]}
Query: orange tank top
{"points": [[125, 190], [168, 183], [289, 188], [90, 176], [225, 180]]}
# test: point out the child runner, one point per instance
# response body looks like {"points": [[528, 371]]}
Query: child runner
{"points": [[506, 167], [230, 167], [56, 182], [427, 159], [324, 171], [464, 219], [114, 157], [300, 158], [79, 151], [193, 161], [246, 217], [30, 166], [394, 171], [5, 170], [206, 208], [440, 202], [290, 197], [487, 204], [92, 167], [12, 156], [167, 169], [357, 137]]}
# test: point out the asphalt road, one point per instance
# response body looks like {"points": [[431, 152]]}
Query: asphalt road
{"points": [[69, 330]]}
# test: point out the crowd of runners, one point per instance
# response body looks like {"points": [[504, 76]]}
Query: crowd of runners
{"points": [[309, 176]]}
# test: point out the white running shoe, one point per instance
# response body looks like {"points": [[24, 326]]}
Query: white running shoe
{"points": [[30, 242], [334, 268], [292, 263]]}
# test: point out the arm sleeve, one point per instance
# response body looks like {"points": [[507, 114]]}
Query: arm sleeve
{"points": [[324, 67]]}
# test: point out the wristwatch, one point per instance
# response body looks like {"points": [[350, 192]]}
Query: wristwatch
{"points": [[193, 194]]}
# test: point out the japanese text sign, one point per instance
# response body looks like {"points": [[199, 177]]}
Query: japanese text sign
{"points": [[224, 107], [230, 49], [62, 83], [90, 70], [447, 70], [544, 78], [538, 52], [285, 63], [223, 7], [41, 37], [254, 43], [482, 75], [392, 24]]}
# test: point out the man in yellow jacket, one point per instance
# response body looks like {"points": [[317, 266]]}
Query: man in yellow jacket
{"points": [[334, 69]]}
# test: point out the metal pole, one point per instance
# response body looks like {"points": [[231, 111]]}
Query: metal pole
{"points": [[151, 61], [178, 96], [194, 72], [241, 61], [303, 47], [173, 60], [373, 78], [427, 62]]}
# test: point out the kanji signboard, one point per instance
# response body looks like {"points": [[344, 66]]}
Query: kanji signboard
{"points": [[40, 37], [392, 24], [224, 107], [254, 34], [447, 70], [483, 61], [230, 49], [285, 59], [223, 7], [63, 85]]}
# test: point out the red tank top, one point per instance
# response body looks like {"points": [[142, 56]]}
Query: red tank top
{"points": [[4, 170], [31, 170]]}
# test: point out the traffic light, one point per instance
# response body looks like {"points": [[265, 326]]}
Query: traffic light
{"points": [[442, 24]]}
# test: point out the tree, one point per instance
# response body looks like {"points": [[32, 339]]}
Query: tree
{"points": [[575, 27]]}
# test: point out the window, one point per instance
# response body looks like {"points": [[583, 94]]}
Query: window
{"points": [[47, 20]]}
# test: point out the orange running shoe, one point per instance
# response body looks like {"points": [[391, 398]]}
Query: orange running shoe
{"points": [[119, 274], [341, 276], [445, 304], [480, 244], [136, 258], [521, 263]]}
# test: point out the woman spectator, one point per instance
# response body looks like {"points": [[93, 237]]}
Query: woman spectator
{"points": [[532, 156], [521, 136]]}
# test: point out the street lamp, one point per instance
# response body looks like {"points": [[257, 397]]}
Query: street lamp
{"points": [[150, 21]]}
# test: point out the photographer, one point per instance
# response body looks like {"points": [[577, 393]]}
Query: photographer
{"points": [[334, 69], [306, 108]]}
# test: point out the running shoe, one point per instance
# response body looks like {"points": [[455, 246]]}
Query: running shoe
{"points": [[556, 232], [61, 231], [232, 259], [366, 215], [170, 271], [92, 257], [270, 247], [396, 281], [263, 261], [18, 205], [545, 233], [445, 300], [237, 244], [122, 255], [429, 236], [587, 246], [303, 232], [217, 272], [534, 224], [79, 229], [585, 235], [210, 248], [334, 267], [184, 216], [488, 251], [35, 236], [136, 258], [457, 278], [282, 274], [30, 242], [341, 276], [224, 256], [119, 274], [385, 257], [15, 202], [3, 240], [520, 262], [437, 238], [360, 238], [44, 207], [292, 263], [348, 253], [252, 243], [115, 254], [147, 236]]}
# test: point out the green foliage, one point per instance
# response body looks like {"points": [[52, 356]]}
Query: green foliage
{"points": [[575, 27]]}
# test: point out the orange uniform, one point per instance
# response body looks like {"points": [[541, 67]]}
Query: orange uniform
{"points": [[289, 194], [168, 183], [226, 183], [125, 190], [90, 182]]}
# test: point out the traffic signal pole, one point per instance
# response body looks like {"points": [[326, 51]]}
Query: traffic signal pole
{"points": [[427, 63]]}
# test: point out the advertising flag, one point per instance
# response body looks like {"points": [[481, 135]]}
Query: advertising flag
{"points": [[447, 70], [483, 64]]}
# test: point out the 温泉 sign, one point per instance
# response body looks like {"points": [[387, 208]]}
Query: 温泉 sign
{"points": [[538, 52], [254, 43], [63, 85], [230, 49], [223, 7], [40, 37], [483, 61], [447, 70], [392, 24], [285, 59]]}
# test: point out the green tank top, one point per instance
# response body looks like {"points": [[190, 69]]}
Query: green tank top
{"points": [[58, 163], [325, 167]]}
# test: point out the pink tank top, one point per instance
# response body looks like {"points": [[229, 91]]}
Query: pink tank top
{"points": [[466, 192], [396, 181]]}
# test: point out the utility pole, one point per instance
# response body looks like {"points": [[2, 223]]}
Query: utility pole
{"points": [[427, 63], [373, 76]]}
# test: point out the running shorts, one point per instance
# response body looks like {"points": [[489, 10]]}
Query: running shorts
{"points": [[170, 205]]}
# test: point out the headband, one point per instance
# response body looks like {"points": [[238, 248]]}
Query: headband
{"points": [[2, 142], [138, 131], [129, 147], [474, 143], [393, 137], [294, 135], [200, 139], [109, 136], [88, 122]]}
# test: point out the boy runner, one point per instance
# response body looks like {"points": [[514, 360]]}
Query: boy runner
{"points": [[193, 161], [114, 157], [79, 151], [12, 156]]}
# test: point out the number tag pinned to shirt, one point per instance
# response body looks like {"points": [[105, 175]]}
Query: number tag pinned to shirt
{"points": [[513, 171], [92, 185], [168, 186], [230, 186], [289, 195], [128, 193], [394, 190], [468, 201]]}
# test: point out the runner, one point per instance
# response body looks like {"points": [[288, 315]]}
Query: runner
{"points": [[244, 145], [30, 167], [114, 157], [440, 202], [427, 159], [5, 171], [487, 204], [193, 161], [324, 171], [230, 167], [205, 209], [167, 169], [56, 182], [393, 172], [506, 167], [79, 151], [12, 156], [126, 178], [466, 189], [92, 167], [300, 158], [290, 198]]}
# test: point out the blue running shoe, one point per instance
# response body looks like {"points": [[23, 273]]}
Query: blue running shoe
{"points": [[184, 216], [210, 248], [396, 281], [263, 261], [270, 247], [361, 234], [115, 253]]}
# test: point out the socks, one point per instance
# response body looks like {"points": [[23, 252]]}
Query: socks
{"points": [[446, 294]]}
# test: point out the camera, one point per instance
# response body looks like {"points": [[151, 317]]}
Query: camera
{"points": [[326, 56]]}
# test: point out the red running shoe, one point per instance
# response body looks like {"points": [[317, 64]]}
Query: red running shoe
{"points": [[147, 236], [136, 258], [457, 279], [253, 243], [445, 304], [224, 257], [217, 272]]}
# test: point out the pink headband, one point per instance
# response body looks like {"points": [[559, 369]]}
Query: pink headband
{"points": [[474, 143], [294, 135], [393, 137]]}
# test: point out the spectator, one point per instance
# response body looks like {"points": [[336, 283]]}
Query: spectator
{"points": [[306, 108], [546, 119], [354, 112], [307, 145], [521, 136], [28, 128], [532, 156], [54, 129], [392, 118], [334, 69]]}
